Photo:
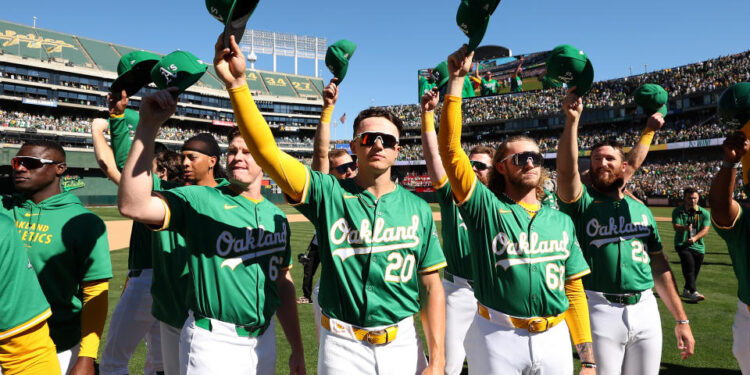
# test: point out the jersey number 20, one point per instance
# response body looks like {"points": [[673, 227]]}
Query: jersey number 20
{"points": [[401, 269]]}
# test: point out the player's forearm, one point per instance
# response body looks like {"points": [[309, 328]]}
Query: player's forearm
{"points": [[568, 179], [703, 232], [136, 184], [433, 317], [665, 286], [637, 154], [430, 148], [322, 141], [455, 161], [723, 208], [287, 312], [285, 170], [577, 318], [105, 157], [119, 134], [93, 316]]}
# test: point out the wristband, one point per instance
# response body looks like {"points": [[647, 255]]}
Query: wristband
{"points": [[726, 164], [686, 321], [428, 122], [588, 365], [326, 114], [647, 137]]}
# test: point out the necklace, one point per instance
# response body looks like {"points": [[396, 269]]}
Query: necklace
{"points": [[530, 212]]}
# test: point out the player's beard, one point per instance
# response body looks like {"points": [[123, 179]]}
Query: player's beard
{"points": [[607, 183], [523, 183]]}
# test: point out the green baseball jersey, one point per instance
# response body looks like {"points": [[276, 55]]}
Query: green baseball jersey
{"points": [[550, 199], [237, 249], [371, 250], [22, 302], [424, 86], [617, 237], [139, 251], [737, 238], [516, 84], [468, 90], [489, 87], [454, 233], [67, 246], [699, 219], [520, 263]]}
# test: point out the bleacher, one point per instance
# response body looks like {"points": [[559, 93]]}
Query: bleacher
{"points": [[104, 56], [255, 83], [303, 86], [21, 41], [63, 47]]}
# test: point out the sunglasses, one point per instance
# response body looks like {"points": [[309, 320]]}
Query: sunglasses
{"points": [[369, 138], [343, 168], [520, 159], [30, 162], [478, 165]]}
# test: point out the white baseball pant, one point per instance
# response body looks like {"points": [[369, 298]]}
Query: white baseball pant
{"points": [[222, 351], [170, 348], [741, 333], [627, 338], [460, 308], [496, 347], [316, 309], [131, 322], [68, 358], [340, 353]]}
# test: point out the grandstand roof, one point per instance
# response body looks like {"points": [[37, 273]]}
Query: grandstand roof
{"points": [[47, 45]]}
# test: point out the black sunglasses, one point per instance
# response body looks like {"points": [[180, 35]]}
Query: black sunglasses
{"points": [[30, 162], [343, 168], [369, 138], [478, 165], [520, 159]]}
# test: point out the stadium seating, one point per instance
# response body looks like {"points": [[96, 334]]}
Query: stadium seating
{"points": [[303, 86], [104, 56], [277, 84], [255, 83], [21, 41], [64, 47]]}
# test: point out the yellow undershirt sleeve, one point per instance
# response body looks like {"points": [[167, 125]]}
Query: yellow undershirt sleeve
{"points": [[455, 161], [286, 171], [647, 137], [326, 114], [93, 316], [428, 122], [577, 316]]}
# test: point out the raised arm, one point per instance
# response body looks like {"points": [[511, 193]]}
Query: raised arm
{"points": [[103, 153], [724, 209], [286, 171], [455, 161], [429, 138], [134, 197], [119, 132], [637, 154], [322, 139], [568, 179]]}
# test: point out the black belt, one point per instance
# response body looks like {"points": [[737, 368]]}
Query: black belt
{"points": [[623, 299], [451, 277]]}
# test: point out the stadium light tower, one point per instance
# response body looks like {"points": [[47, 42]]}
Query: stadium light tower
{"points": [[252, 58], [282, 44]]}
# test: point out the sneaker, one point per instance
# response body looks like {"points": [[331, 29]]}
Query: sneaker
{"points": [[686, 294], [696, 297], [303, 300]]}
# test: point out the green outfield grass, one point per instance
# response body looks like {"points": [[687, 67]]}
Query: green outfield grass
{"points": [[711, 320]]}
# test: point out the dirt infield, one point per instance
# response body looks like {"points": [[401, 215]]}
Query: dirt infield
{"points": [[118, 231]]}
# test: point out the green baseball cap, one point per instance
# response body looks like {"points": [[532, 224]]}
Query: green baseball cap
{"points": [[473, 17], [652, 97], [440, 74], [179, 69], [133, 72], [734, 105], [571, 65], [337, 58], [233, 14]]}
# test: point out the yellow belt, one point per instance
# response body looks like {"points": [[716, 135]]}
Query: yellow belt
{"points": [[377, 337], [534, 325]]}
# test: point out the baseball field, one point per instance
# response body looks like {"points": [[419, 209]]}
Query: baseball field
{"points": [[711, 320]]}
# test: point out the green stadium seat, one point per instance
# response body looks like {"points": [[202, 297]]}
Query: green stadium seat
{"points": [[278, 84], [255, 83], [63, 46], [318, 83], [102, 53], [210, 79], [126, 50], [22, 41], [303, 86]]}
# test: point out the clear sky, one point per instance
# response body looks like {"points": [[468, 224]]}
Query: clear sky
{"points": [[395, 38]]}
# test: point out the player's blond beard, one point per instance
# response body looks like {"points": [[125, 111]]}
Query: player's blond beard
{"points": [[497, 183]]}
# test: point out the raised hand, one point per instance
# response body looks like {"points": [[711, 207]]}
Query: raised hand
{"points": [[158, 107], [117, 106], [459, 62], [430, 100], [331, 93], [655, 121], [572, 105], [229, 63], [735, 146]]}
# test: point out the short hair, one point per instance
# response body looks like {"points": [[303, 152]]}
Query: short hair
{"points": [[171, 162], [481, 149], [379, 112], [233, 133], [611, 142], [47, 144], [689, 191], [336, 153]]}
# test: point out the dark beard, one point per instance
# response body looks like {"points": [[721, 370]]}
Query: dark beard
{"points": [[607, 185]]}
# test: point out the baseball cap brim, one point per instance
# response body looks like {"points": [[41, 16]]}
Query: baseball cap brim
{"points": [[237, 20], [134, 79]]}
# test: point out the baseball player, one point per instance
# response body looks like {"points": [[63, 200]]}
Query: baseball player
{"points": [[526, 263], [67, 246], [379, 251], [25, 345], [691, 223], [460, 304], [731, 223], [621, 243], [238, 255]]}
